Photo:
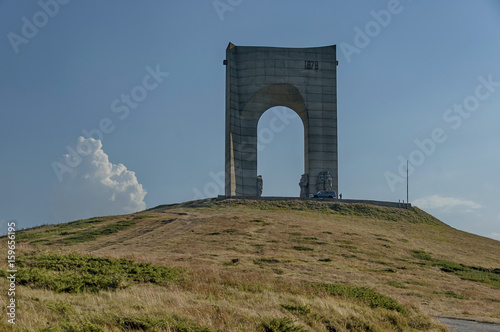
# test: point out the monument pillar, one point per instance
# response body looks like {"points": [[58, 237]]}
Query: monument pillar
{"points": [[302, 79]]}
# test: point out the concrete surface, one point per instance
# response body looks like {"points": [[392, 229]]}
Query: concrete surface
{"points": [[302, 79], [460, 325]]}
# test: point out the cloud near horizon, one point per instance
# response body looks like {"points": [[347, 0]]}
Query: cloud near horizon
{"points": [[446, 204], [495, 236], [97, 187]]}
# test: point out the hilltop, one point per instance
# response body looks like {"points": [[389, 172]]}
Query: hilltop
{"points": [[248, 265]]}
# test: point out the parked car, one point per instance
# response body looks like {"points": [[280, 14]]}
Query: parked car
{"points": [[325, 194]]}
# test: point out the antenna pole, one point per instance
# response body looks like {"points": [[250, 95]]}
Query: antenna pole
{"points": [[407, 195]]}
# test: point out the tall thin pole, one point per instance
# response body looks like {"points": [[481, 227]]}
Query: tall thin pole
{"points": [[407, 195]]}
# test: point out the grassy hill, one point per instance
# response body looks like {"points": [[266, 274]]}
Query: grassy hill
{"points": [[240, 265]]}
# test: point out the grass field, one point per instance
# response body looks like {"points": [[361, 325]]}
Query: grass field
{"points": [[240, 265]]}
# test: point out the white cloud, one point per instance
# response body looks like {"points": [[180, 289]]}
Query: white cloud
{"points": [[495, 236], [446, 204], [97, 187]]}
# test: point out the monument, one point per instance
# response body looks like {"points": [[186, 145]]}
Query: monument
{"points": [[302, 79]]}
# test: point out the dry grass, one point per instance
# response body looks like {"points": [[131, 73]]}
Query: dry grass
{"points": [[245, 268]]}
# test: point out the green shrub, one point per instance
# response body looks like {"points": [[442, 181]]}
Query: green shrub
{"points": [[465, 272], [280, 325], [75, 232], [297, 309], [60, 307], [77, 273], [40, 241], [265, 260], [60, 229], [302, 248], [130, 323], [452, 295], [91, 235], [68, 327], [396, 284], [364, 294], [383, 239], [420, 254]]}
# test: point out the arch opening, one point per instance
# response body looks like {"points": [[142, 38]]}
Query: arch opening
{"points": [[280, 151]]}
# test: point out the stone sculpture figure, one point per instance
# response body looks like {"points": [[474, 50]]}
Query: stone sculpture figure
{"points": [[320, 183], [328, 181], [260, 185], [304, 186]]}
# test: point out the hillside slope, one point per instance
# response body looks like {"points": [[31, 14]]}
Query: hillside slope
{"points": [[246, 265]]}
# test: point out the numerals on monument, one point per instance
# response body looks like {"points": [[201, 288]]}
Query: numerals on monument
{"points": [[311, 65]]}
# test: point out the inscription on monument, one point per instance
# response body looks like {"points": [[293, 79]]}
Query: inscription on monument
{"points": [[311, 65]]}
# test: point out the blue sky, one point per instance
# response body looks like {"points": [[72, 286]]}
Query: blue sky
{"points": [[419, 84]]}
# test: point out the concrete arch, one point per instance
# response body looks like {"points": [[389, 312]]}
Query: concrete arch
{"points": [[258, 78], [270, 96]]}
